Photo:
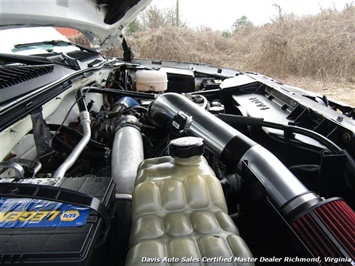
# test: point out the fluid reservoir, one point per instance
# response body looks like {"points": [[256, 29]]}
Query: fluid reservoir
{"points": [[187, 172], [179, 210], [151, 80]]}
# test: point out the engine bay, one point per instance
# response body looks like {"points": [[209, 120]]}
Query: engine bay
{"points": [[283, 158]]}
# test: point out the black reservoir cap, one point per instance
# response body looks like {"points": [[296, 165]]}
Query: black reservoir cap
{"points": [[186, 147]]}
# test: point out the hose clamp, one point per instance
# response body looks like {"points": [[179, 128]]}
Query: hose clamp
{"points": [[85, 117]]}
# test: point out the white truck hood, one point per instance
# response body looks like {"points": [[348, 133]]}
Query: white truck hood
{"points": [[101, 21]]}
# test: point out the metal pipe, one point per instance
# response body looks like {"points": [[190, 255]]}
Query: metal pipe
{"points": [[124, 197], [18, 164], [20, 172], [36, 167], [233, 148], [127, 154], [286, 192], [73, 156], [205, 125]]}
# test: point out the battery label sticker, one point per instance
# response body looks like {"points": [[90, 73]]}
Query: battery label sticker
{"points": [[26, 213]]}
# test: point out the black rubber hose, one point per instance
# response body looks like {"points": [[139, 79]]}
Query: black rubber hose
{"points": [[134, 94], [350, 165], [80, 101], [235, 120]]}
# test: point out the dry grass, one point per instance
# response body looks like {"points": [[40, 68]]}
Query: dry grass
{"points": [[341, 91], [290, 49], [182, 44], [320, 47]]}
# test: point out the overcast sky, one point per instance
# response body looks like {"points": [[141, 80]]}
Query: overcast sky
{"points": [[221, 14]]}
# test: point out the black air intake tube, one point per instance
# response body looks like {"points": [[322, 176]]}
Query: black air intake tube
{"points": [[284, 190], [326, 227]]}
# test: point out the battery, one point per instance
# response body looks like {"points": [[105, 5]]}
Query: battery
{"points": [[55, 224]]}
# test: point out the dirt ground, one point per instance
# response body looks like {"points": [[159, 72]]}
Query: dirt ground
{"points": [[344, 92]]}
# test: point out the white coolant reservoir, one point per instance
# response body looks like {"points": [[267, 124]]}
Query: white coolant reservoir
{"points": [[185, 178], [151, 80], [179, 210]]}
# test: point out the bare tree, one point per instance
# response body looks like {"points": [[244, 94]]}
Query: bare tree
{"points": [[153, 18]]}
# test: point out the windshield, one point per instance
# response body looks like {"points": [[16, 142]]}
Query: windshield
{"points": [[16, 40]]}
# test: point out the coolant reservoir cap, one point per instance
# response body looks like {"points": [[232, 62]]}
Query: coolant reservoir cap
{"points": [[186, 147]]}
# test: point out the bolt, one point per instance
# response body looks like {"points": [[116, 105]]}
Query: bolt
{"points": [[346, 137]]}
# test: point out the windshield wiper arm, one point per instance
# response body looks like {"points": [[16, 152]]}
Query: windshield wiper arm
{"points": [[31, 59], [25, 59], [54, 43]]}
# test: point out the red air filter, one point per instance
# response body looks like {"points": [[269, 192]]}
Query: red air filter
{"points": [[329, 232]]}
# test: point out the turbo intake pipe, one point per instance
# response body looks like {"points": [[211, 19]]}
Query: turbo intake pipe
{"points": [[288, 195]]}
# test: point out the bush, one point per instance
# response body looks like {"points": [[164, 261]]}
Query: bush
{"points": [[319, 47]]}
